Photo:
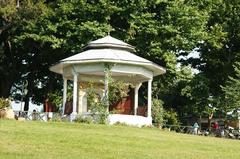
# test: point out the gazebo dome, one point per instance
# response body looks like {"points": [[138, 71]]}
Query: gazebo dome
{"points": [[108, 50], [109, 42]]}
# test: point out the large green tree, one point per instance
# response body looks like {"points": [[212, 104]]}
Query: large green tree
{"points": [[231, 98], [9, 57], [61, 31], [221, 49], [15, 16], [161, 31]]}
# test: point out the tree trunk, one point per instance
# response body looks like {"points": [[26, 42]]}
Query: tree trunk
{"points": [[26, 103], [29, 93], [5, 87], [209, 120]]}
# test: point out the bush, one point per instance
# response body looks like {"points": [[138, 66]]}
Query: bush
{"points": [[171, 118], [117, 90], [102, 118], [84, 119], [56, 117], [55, 98], [157, 112], [97, 106], [4, 103]]}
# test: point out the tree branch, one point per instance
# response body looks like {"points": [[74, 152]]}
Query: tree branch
{"points": [[5, 27]]}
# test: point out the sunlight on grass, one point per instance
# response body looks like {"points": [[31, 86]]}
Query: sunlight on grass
{"points": [[71, 140]]}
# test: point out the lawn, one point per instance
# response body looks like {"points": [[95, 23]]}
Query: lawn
{"points": [[20, 139]]}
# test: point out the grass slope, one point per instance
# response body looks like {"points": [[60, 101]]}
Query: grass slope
{"points": [[70, 140]]}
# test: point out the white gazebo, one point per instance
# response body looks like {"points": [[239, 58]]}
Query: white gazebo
{"points": [[89, 66]]}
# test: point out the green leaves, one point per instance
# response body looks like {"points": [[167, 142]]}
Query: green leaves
{"points": [[232, 91], [157, 111], [39, 33], [4, 103], [220, 51]]}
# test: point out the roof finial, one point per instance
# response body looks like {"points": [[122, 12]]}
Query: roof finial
{"points": [[108, 33]]}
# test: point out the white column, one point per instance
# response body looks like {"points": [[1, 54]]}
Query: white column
{"points": [[106, 89], [75, 95], [149, 112], [136, 97], [64, 94]]}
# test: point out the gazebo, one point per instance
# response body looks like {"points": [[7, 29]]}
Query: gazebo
{"points": [[90, 66]]}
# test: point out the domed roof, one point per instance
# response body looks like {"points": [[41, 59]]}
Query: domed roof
{"points": [[109, 42], [106, 54], [109, 50]]}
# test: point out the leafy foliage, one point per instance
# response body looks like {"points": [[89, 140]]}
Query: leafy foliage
{"points": [[171, 117], [62, 28], [232, 91], [82, 119], [196, 92], [4, 103], [36, 34], [220, 50], [15, 20], [93, 99], [117, 90], [157, 112], [96, 105], [55, 98]]}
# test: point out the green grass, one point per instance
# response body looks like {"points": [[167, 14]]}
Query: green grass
{"points": [[71, 140]]}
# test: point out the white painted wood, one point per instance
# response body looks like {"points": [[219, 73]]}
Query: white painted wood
{"points": [[75, 94], [88, 68], [95, 72], [117, 70], [84, 104], [64, 94], [149, 112], [109, 40], [136, 97], [106, 88], [134, 120], [132, 70], [90, 65], [111, 50], [106, 53], [82, 101]]}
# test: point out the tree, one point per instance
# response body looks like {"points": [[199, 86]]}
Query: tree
{"points": [[160, 30], [220, 50], [8, 59], [15, 18], [232, 91], [55, 35]]}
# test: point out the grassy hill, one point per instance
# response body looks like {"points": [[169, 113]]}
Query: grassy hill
{"points": [[71, 140]]}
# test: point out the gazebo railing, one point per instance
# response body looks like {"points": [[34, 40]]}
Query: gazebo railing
{"points": [[84, 117], [47, 116], [40, 116]]}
